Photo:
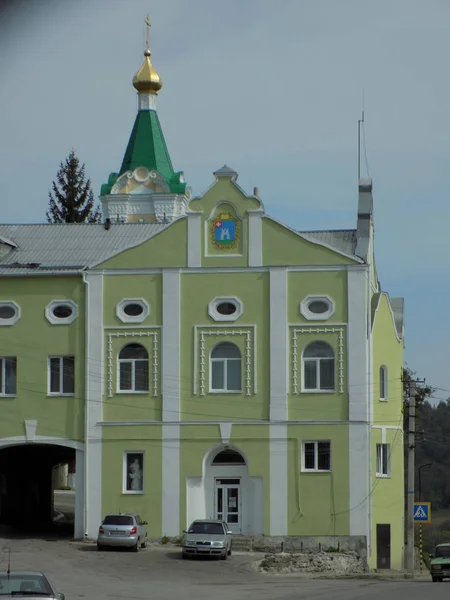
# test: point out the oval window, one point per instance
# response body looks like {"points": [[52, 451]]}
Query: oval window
{"points": [[318, 307], [62, 311], [133, 309], [7, 312], [226, 308]]}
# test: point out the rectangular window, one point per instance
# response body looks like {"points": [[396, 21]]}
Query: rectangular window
{"points": [[8, 376], [133, 465], [317, 456], [383, 460], [61, 375]]}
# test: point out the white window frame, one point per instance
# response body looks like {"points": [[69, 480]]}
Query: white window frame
{"points": [[316, 456], [122, 316], [125, 473], [3, 394], [214, 314], [384, 383], [61, 376], [304, 307], [133, 371], [15, 318], [54, 320], [381, 450], [224, 360], [317, 389]]}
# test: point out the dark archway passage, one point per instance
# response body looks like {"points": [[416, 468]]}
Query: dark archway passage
{"points": [[27, 487]]}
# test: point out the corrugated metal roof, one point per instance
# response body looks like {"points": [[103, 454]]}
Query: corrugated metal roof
{"points": [[343, 240], [70, 246]]}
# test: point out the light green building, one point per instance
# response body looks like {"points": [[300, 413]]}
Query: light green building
{"points": [[197, 358]]}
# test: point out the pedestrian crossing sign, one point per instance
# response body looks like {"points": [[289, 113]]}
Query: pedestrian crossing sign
{"points": [[422, 512]]}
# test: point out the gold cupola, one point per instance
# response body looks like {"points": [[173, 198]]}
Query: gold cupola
{"points": [[147, 80]]}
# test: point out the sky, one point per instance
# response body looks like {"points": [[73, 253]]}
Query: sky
{"points": [[274, 89]]}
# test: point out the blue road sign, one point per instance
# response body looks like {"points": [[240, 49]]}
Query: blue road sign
{"points": [[422, 512]]}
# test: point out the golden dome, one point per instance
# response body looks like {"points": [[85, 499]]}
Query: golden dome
{"points": [[147, 79]]}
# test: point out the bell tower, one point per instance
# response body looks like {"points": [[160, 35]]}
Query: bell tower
{"points": [[146, 189]]}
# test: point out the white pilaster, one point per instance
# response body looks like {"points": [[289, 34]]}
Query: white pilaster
{"points": [[170, 480], [278, 345], [171, 345], [278, 479], [358, 402], [255, 253], [79, 494], [194, 239], [93, 412]]}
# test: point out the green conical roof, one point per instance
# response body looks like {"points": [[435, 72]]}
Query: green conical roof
{"points": [[147, 148]]}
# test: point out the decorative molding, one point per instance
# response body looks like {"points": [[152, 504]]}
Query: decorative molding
{"points": [[64, 321], [217, 316], [278, 345], [122, 316], [8, 321], [134, 334], [255, 252], [311, 316], [248, 331], [30, 430], [316, 329], [225, 432]]}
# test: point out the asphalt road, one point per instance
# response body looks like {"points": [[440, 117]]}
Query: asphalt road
{"points": [[80, 571], [64, 501]]}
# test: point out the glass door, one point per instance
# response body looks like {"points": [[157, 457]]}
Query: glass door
{"points": [[228, 502]]}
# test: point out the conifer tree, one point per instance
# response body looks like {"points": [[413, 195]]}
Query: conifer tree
{"points": [[71, 199]]}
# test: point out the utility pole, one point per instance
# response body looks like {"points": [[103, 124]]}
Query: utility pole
{"points": [[411, 471]]}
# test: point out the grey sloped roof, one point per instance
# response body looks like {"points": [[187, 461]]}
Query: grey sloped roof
{"points": [[343, 240], [398, 308], [68, 247]]}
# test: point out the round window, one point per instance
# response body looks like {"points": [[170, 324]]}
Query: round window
{"points": [[7, 312], [133, 309], [318, 307], [226, 308], [62, 311]]}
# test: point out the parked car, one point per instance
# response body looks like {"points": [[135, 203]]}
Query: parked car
{"points": [[122, 530], [440, 562], [27, 584], [207, 538]]}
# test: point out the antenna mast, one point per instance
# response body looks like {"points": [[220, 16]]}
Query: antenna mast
{"points": [[360, 121]]}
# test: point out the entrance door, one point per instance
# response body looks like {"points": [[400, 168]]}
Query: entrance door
{"points": [[228, 502], [383, 546]]}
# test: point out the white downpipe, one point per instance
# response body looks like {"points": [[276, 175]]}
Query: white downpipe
{"points": [[86, 408], [370, 397]]}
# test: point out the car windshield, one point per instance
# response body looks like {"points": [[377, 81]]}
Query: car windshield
{"points": [[208, 528], [24, 585], [118, 520], [442, 551]]}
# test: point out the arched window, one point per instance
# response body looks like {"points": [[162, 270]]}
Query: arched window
{"points": [[383, 383], [225, 369], [228, 457], [318, 367], [133, 369]]}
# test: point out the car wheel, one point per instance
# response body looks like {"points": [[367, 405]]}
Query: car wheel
{"points": [[144, 543], [135, 548], [230, 550], [224, 556]]}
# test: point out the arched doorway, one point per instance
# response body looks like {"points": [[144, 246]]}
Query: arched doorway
{"points": [[33, 496], [226, 491]]}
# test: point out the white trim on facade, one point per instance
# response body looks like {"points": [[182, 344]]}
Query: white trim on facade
{"points": [[255, 250], [216, 302], [279, 343], [194, 240], [278, 479], [170, 480], [53, 319], [312, 316], [171, 342], [359, 428], [122, 315], [208, 270], [93, 405], [5, 322]]}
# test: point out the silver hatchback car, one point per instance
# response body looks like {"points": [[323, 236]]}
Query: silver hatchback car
{"points": [[122, 530], [27, 584], [207, 538]]}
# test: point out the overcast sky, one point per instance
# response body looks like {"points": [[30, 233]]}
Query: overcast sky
{"points": [[274, 89]]}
